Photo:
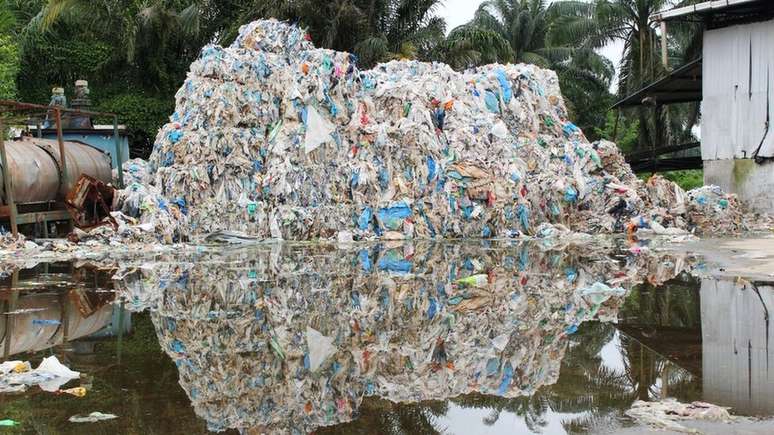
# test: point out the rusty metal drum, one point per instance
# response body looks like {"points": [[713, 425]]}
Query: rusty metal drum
{"points": [[36, 169]]}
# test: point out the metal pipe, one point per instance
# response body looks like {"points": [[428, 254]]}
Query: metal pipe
{"points": [[29, 106], [119, 157], [7, 183], [62, 155], [664, 59]]}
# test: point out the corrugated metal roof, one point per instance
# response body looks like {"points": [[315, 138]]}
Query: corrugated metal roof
{"points": [[710, 8], [680, 86], [699, 8]]}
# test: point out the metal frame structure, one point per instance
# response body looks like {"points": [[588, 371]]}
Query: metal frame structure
{"points": [[9, 106]]}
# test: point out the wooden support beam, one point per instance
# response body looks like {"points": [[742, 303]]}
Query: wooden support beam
{"points": [[60, 139], [640, 155], [664, 58], [119, 157], [7, 183]]}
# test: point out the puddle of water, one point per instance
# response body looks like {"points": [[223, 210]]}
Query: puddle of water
{"points": [[460, 338]]}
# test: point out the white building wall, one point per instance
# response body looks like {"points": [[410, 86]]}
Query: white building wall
{"points": [[738, 70], [738, 92]]}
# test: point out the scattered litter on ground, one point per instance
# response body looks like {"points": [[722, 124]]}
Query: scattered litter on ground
{"points": [[668, 413], [75, 391], [92, 418], [46, 322], [17, 376], [24, 311], [8, 423]]}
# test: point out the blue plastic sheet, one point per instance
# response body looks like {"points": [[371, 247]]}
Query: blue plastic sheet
{"points": [[392, 217], [505, 85], [393, 262], [492, 102], [364, 220]]}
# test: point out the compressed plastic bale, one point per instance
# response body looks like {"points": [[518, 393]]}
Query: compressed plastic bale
{"points": [[302, 128]]}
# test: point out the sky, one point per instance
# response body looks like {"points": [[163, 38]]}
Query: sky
{"points": [[457, 12]]}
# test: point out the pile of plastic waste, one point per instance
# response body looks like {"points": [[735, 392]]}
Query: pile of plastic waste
{"points": [[283, 338], [50, 375], [276, 138], [142, 213], [667, 414], [15, 244], [709, 208]]}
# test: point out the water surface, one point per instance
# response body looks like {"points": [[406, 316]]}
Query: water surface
{"points": [[407, 338]]}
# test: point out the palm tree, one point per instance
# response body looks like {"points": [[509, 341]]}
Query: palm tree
{"points": [[382, 416], [375, 30], [399, 29], [522, 25], [596, 23]]}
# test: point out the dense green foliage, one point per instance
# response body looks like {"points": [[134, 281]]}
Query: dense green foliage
{"points": [[687, 179], [9, 67], [9, 52], [621, 130]]}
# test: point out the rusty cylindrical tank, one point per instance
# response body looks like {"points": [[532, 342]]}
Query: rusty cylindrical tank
{"points": [[36, 169]]}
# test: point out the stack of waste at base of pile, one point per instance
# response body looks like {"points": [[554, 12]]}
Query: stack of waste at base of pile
{"points": [[288, 339], [667, 414], [276, 138]]}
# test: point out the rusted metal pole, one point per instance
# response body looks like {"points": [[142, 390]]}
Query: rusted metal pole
{"points": [[13, 298], [60, 139], [7, 184], [119, 157], [664, 59], [15, 105]]}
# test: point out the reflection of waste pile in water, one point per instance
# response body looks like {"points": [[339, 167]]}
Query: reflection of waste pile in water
{"points": [[293, 337], [277, 138]]}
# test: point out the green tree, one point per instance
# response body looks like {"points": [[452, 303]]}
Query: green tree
{"points": [[9, 51], [521, 25], [594, 24], [400, 29], [153, 38], [134, 53], [621, 130]]}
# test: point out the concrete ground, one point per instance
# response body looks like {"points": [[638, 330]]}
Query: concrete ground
{"points": [[750, 258], [761, 427]]}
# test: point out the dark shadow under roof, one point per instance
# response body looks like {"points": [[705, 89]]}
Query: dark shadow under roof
{"points": [[682, 85]]}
